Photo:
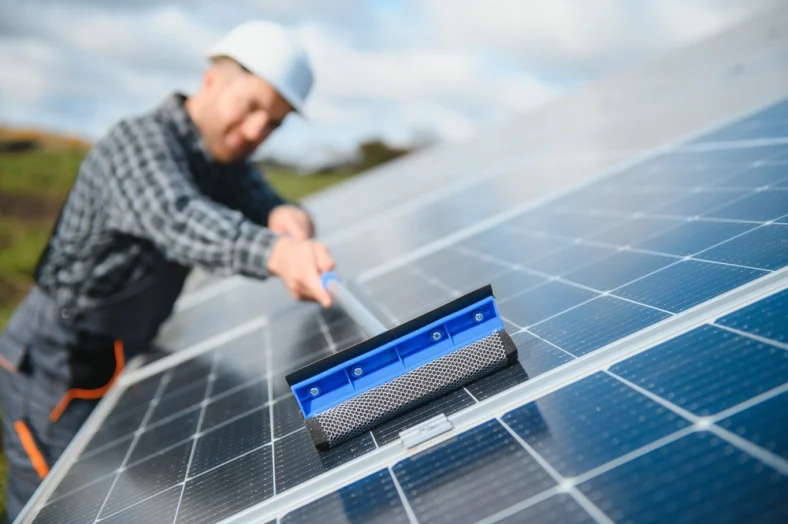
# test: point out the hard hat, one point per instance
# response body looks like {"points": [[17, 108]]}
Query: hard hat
{"points": [[270, 51]]}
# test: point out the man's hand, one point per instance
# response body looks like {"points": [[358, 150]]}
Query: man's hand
{"points": [[299, 263], [291, 221]]}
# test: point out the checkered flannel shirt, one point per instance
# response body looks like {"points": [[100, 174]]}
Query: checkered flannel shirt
{"points": [[147, 192]]}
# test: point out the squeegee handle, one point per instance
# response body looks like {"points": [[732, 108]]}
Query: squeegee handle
{"points": [[352, 306]]}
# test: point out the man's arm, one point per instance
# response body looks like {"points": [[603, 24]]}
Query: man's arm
{"points": [[150, 194]]}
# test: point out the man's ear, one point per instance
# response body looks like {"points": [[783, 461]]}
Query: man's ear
{"points": [[210, 77]]}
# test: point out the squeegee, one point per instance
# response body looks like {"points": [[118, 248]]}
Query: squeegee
{"points": [[395, 370]]}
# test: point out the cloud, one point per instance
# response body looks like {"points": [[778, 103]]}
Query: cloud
{"points": [[399, 94], [570, 39], [390, 69]]}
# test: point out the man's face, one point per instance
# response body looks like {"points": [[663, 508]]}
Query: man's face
{"points": [[242, 111]]}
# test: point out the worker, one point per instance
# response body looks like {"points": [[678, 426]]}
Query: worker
{"points": [[159, 194]]}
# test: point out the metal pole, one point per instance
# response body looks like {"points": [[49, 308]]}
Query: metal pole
{"points": [[352, 306]]}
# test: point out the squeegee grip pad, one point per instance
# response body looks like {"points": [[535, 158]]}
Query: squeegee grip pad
{"points": [[429, 381]]}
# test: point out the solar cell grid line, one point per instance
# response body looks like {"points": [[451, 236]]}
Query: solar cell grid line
{"points": [[579, 497], [767, 319], [198, 429], [270, 380], [765, 456]]}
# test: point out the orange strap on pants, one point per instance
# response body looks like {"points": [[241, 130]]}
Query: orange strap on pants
{"points": [[90, 394], [31, 448]]}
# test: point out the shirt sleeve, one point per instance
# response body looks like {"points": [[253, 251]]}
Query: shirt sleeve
{"points": [[253, 195], [151, 194]]}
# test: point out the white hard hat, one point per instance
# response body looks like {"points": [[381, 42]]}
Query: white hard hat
{"points": [[270, 51]]}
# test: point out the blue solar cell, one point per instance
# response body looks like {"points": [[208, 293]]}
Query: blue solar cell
{"points": [[159, 508], [371, 499], [591, 422], [698, 478], [765, 247], [569, 258], [699, 202], [542, 302], [683, 169], [134, 485], [686, 284], [463, 273], [297, 460], [743, 157], [228, 489], [765, 424], [567, 224], [618, 200], [511, 283], [634, 230], [767, 318], [694, 236], [773, 175], [768, 123], [80, 506], [760, 207], [521, 248], [538, 356], [498, 382], [558, 509], [495, 236], [596, 324], [707, 370], [471, 476], [618, 269], [712, 169]]}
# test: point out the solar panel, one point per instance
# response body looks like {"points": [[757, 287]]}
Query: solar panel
{"points": [[647, 302]]}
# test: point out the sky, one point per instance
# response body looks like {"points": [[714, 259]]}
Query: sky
{"points": [[404, 71]]}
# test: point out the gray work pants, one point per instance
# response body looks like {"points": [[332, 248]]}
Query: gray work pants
{"points": [[43, 363]]}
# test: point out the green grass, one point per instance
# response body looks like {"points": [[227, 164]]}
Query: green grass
{"points": [[40, 173], [296, 187]]}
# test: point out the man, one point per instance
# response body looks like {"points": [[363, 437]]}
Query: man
{"points": [[160, 193]]}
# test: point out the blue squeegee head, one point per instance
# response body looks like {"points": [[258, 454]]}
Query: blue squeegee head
{"points": [[368, 384]]}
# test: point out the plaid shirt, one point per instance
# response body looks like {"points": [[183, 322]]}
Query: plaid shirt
{"points": [[148, 192]]}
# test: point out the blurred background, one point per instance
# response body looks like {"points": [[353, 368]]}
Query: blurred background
{"points": [[392, 76]]}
